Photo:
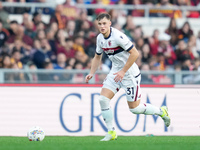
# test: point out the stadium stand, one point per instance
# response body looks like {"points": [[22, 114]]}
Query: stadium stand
{"points": [[142, 30]]}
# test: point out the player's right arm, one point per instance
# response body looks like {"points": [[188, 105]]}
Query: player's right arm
{"points": [[94, 66]]}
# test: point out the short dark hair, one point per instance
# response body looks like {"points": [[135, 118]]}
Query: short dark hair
{"points": [[103, 15], [13, 22]]}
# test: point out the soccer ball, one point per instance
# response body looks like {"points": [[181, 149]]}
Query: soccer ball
{"points": [[36, 133]]}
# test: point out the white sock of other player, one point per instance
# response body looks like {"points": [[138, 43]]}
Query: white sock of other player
{"points": [[147, 109], [106, 112]]}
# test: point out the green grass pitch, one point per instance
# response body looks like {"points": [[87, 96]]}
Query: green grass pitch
{"points": [[93, 143]]}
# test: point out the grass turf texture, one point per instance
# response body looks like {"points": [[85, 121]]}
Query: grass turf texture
{"points": [[93, 143]]}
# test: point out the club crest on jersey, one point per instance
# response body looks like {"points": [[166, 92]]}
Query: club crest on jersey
{"points": [[109, 42]]}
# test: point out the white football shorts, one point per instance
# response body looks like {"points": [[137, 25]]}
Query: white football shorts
{"points": [[131, 86]]}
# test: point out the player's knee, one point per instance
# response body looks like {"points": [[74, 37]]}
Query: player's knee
{"points": [[104, 102]]}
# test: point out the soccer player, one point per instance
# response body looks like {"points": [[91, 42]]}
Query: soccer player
{"points": [[123, 74]]}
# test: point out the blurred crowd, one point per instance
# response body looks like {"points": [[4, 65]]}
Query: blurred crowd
{"points": [[68, 41], [137, 12]]}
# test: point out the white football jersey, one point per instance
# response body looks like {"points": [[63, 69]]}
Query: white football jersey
{"points": [[116, 46]]}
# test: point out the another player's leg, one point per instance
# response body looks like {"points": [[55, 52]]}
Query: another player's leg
{"points": [[107, 114]]}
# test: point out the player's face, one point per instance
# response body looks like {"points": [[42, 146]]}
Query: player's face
{"points": [[104, 26]]}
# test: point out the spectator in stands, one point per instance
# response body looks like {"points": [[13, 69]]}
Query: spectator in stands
{"points": [[36, 45], [25, 54], [192, 46], [185, 32], [165, 48], [183, 52], [84, 29], [5, 61], [58, 17], [68, 49], [17, 32], [161, 61], [70, 63], [60, 41], [40, 34], [44, 54], [54, 28], [50, 35], [189, 52], [172, 30], [81, 9], [130, 26], [182, 2], [114, 16], [61, 61], [26, 19], [61, 64], [70, 11], [187, 64], [40, 26], [189, 78], [29, 29], [137, 33], [154, 42], [13, 27], [195, 2], [78, 44], [162, 12], [198, 43], [82, 23], [47, 77], [37, 18], [145, 53], [70, 28], [4, 15], [189, 14], [140, 43], [89, 50], [78, 77], [196, 64], [16, 76], [4, 34], [179, 51], [136, 12], [16, 59], [159, 78], [31, 77], [98, 10], [82, 57], [145, 77]]}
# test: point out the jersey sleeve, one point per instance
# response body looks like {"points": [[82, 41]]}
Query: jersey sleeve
{"points": [[124, 42], [99, 50]]}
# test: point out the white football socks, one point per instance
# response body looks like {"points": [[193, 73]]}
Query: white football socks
{"points": [[106, 112], [146, 109]]}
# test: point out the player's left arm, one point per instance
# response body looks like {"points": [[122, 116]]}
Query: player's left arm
{"points": [[132, 58]]}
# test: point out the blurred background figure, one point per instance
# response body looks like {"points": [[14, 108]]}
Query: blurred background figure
{"points": [[4, 15]]}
